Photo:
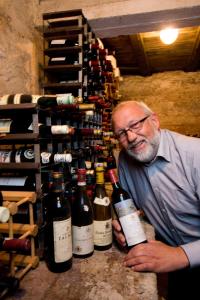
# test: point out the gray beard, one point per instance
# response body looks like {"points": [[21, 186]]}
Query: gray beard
{"points": [[150, 153]]}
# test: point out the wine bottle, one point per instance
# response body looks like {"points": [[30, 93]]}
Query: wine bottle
{"points": [[102, 214], [127, 213], [14, 244], [47, 157], [14, 126], [46, 130], [18, 183], [58, 242], [82, 220], [4, 211]]}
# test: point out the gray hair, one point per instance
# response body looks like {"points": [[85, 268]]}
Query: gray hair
{"points": [[141, 104]]}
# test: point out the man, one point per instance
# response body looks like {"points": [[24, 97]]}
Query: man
{"points": [[161, 171]]}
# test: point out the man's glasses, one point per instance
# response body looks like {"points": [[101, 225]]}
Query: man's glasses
{"points": [[135, 127]]}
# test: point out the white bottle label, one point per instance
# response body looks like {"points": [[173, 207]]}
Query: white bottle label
{"points": [[4, 100], [5, 156], [57, 58], [103, 232], [63, 157], [4, 214], [65, 99], [62, 240], [45, 157], [83, 239], [28, 154], [58, 42], [105, 201], [5, 125], [15, 181], [59, 129], [132, 229], [17, 98]]}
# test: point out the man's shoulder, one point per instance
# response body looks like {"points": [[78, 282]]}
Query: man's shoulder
{"points": [[184, 142]]}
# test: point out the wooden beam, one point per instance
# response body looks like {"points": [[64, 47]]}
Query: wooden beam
{"points": [[194, 60], [138, 47]]}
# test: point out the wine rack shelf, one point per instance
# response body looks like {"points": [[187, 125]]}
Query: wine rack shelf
{"points": [[19, 264]]}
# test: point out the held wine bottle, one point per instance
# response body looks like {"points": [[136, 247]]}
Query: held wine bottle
{"points": [[58, 228], [127, 213], [4, 211], [82, 220], [102, 214]]}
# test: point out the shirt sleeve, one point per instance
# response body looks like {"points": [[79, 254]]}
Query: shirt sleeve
{"points": [[192, 251]]}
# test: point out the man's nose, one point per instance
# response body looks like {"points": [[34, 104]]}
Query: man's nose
{"points": [[131, 136]]}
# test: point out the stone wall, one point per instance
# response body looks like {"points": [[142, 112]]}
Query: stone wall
{"points": [[20, 47], [175, 96]]}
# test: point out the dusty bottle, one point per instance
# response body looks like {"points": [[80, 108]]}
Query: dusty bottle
{"points": [[102, 213], [127, 213], [58, 237], [82, 220]]}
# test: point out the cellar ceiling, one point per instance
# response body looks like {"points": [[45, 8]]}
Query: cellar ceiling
{"points": [[145, 54]]}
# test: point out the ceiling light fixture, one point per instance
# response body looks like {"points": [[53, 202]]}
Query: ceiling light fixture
{"points": [[169, 35]]}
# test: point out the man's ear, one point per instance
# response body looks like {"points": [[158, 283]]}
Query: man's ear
{"points": [[155, 120]]}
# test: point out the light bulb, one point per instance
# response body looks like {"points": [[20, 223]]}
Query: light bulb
{"points": [[169, 35]]}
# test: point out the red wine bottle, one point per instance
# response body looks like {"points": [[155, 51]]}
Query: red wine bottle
{"points": [[14, 244], [127, 213], [82, 220], [14, 126], [58, 237], [102, 214]]}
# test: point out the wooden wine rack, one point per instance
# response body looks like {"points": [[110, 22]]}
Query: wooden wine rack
{"points": [[19, 264]]}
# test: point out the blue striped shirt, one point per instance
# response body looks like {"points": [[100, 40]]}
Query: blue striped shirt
{"points": [[168, 190]]}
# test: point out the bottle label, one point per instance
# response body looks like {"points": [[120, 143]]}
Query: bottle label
{"points": [[83, 239], [4, 214], [132, 229], [5, 156], [58, 42], [63, 157], [62, 240], [28, 155], [125, 207], [45, 157], [57, 58], [15, 181], [105, 201], [65, 99], [60, 129], [103, 232], [5, 125]]}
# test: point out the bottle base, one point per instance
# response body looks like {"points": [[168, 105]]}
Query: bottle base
{"points": [[83, 256], [102, 248]]}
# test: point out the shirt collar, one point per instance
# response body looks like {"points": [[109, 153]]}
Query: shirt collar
{"points": [[163, 150]]}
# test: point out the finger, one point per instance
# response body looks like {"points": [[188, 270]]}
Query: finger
{"points": [[116, 225], [138, 250], [145, 267], [141, 260], [120, 238]]}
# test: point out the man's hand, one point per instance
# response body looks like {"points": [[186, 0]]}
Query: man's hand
{"points": [[155, 256]]}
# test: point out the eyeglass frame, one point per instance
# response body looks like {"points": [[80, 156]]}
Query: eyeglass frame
{"points": [[122, 134]]}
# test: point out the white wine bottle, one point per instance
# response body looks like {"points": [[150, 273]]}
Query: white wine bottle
{"points": [[102, 214]]}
